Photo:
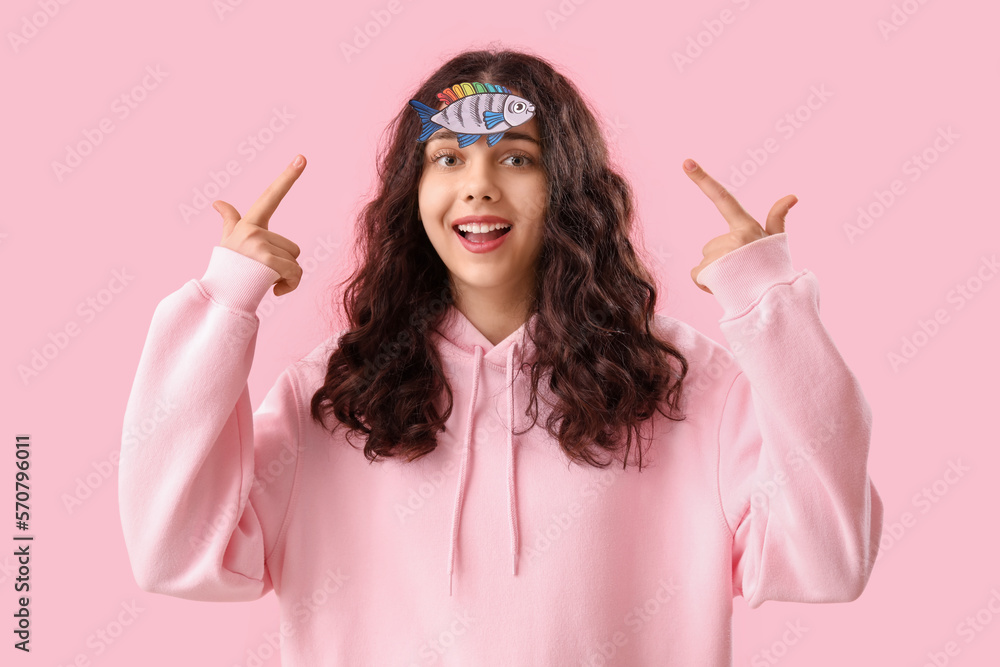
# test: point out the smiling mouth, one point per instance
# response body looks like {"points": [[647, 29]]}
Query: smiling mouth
{"points": [[484, 237]]}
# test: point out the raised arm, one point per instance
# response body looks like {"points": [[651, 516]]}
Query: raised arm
{"points": [[195, 523], [795, 429]]}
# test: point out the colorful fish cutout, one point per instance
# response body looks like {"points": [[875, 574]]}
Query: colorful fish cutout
{"points": [[474, 109]]}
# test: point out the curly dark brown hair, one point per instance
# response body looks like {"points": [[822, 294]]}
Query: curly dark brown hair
{"points": [[594, 297]]}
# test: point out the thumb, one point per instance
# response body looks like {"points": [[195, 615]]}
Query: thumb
{"points": [[230, 216], [776, 216]]}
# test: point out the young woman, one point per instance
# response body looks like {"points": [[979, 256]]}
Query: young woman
{"points": [[551, 473]]}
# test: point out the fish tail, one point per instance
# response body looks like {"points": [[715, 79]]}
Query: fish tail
{"points": [[425, 112]]}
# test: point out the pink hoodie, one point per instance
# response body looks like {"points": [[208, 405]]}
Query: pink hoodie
{"points": [[494, 549]]}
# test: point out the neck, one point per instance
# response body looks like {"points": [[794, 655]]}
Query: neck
{"points": [[494, 313]]}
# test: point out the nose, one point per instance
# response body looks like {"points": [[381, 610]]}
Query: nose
{"points": [[480, 182]]}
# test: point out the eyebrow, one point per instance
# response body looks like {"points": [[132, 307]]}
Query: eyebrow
{"points": [[448, 134]]}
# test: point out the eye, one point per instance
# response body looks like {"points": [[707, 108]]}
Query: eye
{"points": [[443, 156], [518, 107], [524, 160]]}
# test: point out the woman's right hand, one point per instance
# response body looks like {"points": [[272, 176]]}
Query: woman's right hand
{"points": [[250, 236]]}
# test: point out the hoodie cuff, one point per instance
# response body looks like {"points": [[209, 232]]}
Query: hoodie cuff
{"points": [[740, 277], [237, 281]]}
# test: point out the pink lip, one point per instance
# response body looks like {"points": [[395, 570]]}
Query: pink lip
{"points": [[482, 220]]}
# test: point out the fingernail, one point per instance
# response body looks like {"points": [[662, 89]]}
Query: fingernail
{"points": [[297, 162], [690, 164]]}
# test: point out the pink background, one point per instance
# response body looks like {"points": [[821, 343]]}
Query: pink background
{"points": [[221, 76]]}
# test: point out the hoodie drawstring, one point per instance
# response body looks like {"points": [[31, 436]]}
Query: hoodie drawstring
{"points": [[466, 452], [511, 489]]}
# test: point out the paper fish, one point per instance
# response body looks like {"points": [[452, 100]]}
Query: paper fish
{"points": [[475, 109]]}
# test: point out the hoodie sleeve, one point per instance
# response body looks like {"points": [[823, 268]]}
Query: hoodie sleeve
{"points": [[794, 434], [197, 522]]}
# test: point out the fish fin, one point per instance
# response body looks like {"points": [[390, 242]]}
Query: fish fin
{"points": [[467, 139], [425, 112], [494, 138], [492, 119]]}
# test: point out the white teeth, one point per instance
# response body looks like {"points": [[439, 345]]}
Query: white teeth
{"points": [[476, 228]]}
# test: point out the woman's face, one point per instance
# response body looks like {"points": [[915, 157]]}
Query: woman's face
{"points": [[506, 180]]}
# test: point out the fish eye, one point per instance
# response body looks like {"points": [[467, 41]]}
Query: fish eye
{"points": [[518, 107]]}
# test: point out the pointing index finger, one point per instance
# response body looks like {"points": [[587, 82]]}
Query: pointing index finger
{"points": [[731, 210], [262, 209]]}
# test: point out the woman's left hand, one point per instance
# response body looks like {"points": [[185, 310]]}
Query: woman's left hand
{"points": [[743, 229]]}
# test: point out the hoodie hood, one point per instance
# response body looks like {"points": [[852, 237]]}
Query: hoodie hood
{"points": [[458, 333]]}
